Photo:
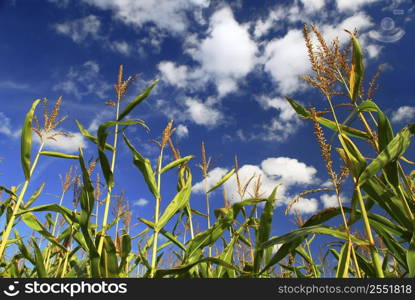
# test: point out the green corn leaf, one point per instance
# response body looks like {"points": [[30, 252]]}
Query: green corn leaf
{"points": [[136, 101], [23, 249], [264, 229], [316, 229], [357, 70], [34, 196], [176, 163], [185, 268], [87, 201], [385, 135], [40, 267], [344, 261], [69, 215], [178, 203], [227, 253], [90, 137], [26, 140], [109, 262], [30, 220], [144, 165], [352, 156], [350, 131], [58, 154], [165, 233], [410, 257], [393, 151], [102, 137], [125, 250], [222, 181], [393, 246], [8, 191]]}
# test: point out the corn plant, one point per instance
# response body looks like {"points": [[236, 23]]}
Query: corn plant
{"points": [[374, 236]]}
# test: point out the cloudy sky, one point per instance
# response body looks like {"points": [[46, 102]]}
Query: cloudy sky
{"points": [[224, 69]]}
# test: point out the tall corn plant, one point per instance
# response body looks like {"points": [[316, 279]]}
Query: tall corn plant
{"points": [[378, 182]]}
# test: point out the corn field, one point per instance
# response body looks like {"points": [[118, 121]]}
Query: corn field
{"points": [[374, 235]]}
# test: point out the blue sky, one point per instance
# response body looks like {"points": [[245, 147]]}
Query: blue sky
{"points": [[224, 69]]}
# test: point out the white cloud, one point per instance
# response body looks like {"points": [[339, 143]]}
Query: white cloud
{"points": [[354, 5], [289, 170], [121, 47], [100, 117], [284, 125], [214, 176], [66, 144], [80, 29], [182, 131], [286, 60], [312, 6], [331, 200], [227, 54], [84, 80], [173, 74], [404, 114], [6, 127], [202, 113], [305, 206], [168, 15], [272, 172], [141, 202], [8, 84]]}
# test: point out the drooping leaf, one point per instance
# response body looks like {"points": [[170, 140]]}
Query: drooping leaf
{"points": [[136, 101], [176, 163], [357, 70], [222, 181], [144, 165], [58, 154], [393, 151], [178, 203], [410, 257], [90, 137], [264, 229], [40, 266], [344, 261], [26, 140]]}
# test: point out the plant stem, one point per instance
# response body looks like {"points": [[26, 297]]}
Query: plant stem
{"points": [[375, 256], [156, 217], [9, 226], [208, 212], [109, 191]]}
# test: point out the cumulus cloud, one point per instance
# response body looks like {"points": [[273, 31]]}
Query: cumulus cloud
{"points": [[121, 47], [354, 5], [80, 29], [202, 113], [283, 171], [182, 131], [403, 114], [141, 202], [66, 144], [225, 56], [84, 80], [6, 127], [214, 176], [171, 16], [173, 74], [286, 60]]}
